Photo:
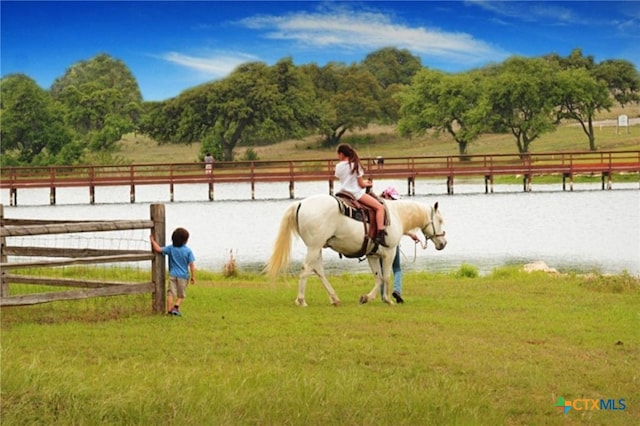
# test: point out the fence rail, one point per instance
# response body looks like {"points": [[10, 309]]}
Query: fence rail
{"points": [[54, 257], [486, 166]]}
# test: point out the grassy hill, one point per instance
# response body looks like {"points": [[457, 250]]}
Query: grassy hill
{"points": [[383, 140]]}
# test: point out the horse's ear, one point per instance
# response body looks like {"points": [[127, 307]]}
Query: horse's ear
{"points": [[435, 206]]}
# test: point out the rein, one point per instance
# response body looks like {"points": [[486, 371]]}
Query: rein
{"points": [[415, 250]]}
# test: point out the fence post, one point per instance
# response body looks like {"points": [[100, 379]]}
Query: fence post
{"points": [[158, 264], [4, 285]]}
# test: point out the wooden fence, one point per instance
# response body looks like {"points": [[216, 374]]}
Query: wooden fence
{"points": [[445, 167], [53, 257]]}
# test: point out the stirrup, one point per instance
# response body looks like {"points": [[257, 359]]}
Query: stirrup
{"points": [[380, 238]]}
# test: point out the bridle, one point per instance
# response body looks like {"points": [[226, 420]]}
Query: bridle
{"points": [[435, 232]]}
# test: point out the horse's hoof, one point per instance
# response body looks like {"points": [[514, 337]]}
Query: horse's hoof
{"points": [[363, 299], [301, 302]]}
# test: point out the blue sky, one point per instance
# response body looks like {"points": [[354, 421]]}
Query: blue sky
{"points": [[174, 45]]}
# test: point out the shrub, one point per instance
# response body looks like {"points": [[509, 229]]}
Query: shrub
{"points": [[467, 271], [250, 155]]}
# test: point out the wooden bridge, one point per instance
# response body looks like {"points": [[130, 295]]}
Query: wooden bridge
{"points": [[566, 164]]}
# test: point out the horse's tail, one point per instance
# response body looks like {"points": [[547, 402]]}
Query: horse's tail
{"points": [[281, 255]]}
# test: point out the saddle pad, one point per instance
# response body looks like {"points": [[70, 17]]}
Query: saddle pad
{"points": [[351, 208]]}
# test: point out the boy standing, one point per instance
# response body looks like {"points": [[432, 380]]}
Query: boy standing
{"points": [[182, 268]]}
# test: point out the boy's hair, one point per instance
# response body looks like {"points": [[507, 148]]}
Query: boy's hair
{"points": [[179, 237]]}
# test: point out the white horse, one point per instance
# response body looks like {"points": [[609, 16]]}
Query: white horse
{"points": [[320, 223]]}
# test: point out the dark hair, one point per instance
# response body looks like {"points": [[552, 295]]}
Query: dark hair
{"points": [[346, 150], [179, 237]]}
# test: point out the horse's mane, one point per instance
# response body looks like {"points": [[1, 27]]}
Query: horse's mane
{"points": [[411, 213]]}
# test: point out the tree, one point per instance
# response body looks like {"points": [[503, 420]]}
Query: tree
{"points": [[255, 104], [575, 60], [587, 88], [522, 96], [102, 98], [443, 102], [165, 121], [210, 145], [237, 103], [621, 78], [348, 97], [32, 129], [393, 69], [581, 96], [293, 115], [392, 66]]}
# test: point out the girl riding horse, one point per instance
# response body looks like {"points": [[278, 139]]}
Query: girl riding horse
{"points": [[350, 172]]}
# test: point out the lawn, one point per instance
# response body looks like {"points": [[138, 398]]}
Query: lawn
{"points": [[463, 350]]}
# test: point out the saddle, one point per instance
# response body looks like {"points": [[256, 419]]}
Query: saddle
{"points": [[353, 209]]}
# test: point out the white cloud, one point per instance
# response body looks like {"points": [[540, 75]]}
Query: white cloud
{"points": [[213, 65], [547, 12], [348, 29], [629, 24]]}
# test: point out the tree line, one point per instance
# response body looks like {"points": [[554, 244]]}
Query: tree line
{"points": [[84, 114]]}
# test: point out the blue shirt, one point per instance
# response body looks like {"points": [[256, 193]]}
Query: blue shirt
{"points": [[179, 260]]}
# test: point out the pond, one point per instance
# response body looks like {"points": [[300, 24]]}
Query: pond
{"points": [[583, 230]]}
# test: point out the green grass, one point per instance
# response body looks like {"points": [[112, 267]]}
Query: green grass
{"points": [[464, 349]]}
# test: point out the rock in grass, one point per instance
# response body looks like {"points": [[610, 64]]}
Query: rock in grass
{"points": [[537, 266]]}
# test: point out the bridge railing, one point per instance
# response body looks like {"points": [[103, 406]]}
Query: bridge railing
{"points": [[320, 169], [506, 164]]}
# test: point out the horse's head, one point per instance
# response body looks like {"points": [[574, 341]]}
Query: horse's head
{"points": [[433, 229]]}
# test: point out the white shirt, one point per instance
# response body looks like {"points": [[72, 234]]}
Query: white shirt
{"points": [[349, 180]]}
